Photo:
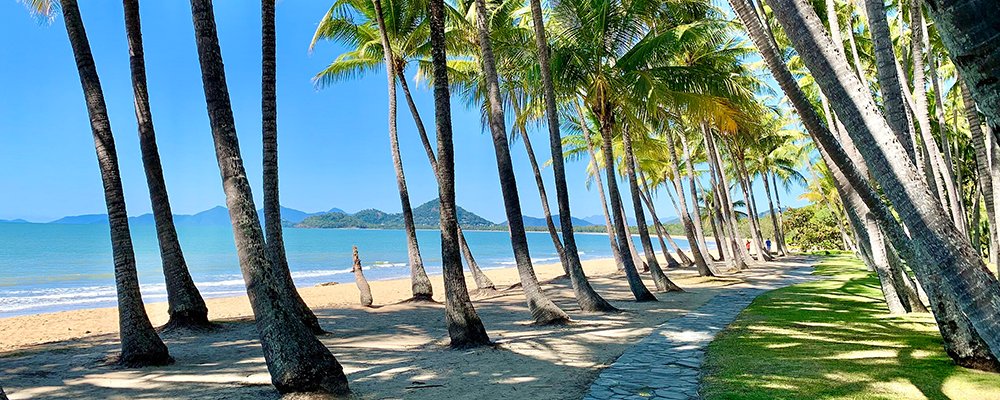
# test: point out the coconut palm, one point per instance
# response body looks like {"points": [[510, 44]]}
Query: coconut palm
{"points": [[140, 345], [963, 342], [296, 359], [465, 329], [184, 303], [339, 23]]}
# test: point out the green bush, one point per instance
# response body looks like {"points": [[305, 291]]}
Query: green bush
{"points": [[812, 228]]}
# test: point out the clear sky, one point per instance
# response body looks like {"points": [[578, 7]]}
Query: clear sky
{"points": [[333, 143]]}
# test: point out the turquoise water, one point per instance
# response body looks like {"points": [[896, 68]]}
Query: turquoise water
{"points": [[49, 267]]}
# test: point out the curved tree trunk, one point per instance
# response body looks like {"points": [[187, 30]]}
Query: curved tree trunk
{"points": [[275, 244], [483, 283], [955, 328], [543, 310], [586, 296], [870, 237], [140, 345], [983, 163], [636, 256], [465, 329], [419, 282], [947, 167], [622, 236], [774, 217], [616, 253], [739, 253], [660, 230], [297, 361], [359, 277], [185, 305], [553, 234], [699, 229], [969, 30], [889, 81], [699, 259], [781, 223]]}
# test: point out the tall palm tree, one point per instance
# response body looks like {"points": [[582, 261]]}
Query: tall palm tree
{"points": [[543, 310], [696, 249], [586, 297], [140, 345], [969, 29], [275, 244], [421, 284], [184, 303], [297, 361], [464, 326], [961, 339], [354, 22], [336, 24]]}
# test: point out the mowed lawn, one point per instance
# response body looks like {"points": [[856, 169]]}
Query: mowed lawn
{"points": [[834, 339]]}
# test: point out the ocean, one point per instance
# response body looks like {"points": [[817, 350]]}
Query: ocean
{"points": [[54, 267]]}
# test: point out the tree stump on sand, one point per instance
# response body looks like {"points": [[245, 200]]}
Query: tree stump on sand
{"points": [[359, 277]]}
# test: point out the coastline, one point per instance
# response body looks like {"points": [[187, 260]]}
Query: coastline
{"points": [[25, 331]]}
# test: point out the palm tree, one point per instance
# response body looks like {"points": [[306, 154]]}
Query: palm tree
{"points": [[543, 310], [586, 297], [275, 244], [337, 20], [140, 345], [355, 23], [961, 340], [969, 29], [696, 249], [297, 361], [464, 326], [184, 303]]}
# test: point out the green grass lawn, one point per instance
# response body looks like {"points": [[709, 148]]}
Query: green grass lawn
{"points": [[834, 339]]}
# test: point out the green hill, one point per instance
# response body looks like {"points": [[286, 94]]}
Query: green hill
{"points": [[426, 215]]}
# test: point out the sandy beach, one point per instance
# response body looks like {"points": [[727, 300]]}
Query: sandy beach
{"points": [[388, 351]]}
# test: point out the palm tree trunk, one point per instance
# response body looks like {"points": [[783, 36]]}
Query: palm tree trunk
{"points": [[960, 273], [600, 187], [889, 82], [920, 103], [682, 211], [465, 329], [869, 237], [275, 243], [543, 310], [699, 230], [622, 235], [636, 256], [185, 305], [140, 346], [969, 30], [419, 282], [359, 276], [947, 167], [740, 253], [983, 164], [297, 361], [647, 197], [743, 177], [663, 283], [586, 296], [774, 218], [483, 282], [553, 234]]}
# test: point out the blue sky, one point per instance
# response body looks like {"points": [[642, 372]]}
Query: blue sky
{"points": [[333, 142]]}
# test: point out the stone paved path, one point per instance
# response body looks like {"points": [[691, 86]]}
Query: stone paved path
{"points": [[666, 365]]}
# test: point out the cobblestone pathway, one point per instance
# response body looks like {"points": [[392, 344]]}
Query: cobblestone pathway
{"points": [[666, 365]]}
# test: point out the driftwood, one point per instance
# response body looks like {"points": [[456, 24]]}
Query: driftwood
{"points": [[359, 278]]}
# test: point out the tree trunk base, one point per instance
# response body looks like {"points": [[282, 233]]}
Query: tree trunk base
{"points": [[978, 363], [551, 318], [188, 322], [144, 359], [420, 298], [480, 293]]}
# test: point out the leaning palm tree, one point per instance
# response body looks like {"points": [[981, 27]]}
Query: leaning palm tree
{"points": [[961, 340], [543, 310], [296, 359], [405, 25], [465, 329], [140, 345], [185, 306], [272, 205]]}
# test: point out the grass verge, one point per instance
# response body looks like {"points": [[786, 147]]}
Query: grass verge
{"points": [[834, 339]]}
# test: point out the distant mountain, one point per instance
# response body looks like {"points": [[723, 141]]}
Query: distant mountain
{"points": [[13, 221], [427, 215], [215, 216], [533, 222], [334, 210], [765, 213]]}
